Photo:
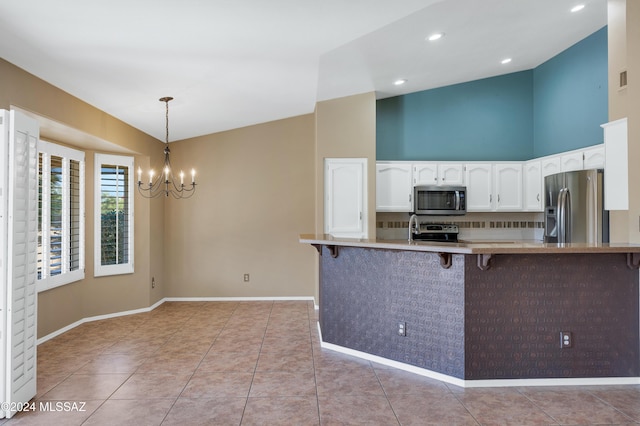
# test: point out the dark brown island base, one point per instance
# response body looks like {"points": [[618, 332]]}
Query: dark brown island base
{"points": [[479, 312]]}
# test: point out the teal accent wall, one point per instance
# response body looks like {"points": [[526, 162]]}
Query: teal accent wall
{"points": [[570, 98], [555, 107], [487, 119]]}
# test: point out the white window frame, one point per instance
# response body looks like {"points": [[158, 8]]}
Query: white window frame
{"points": [[122, 268], [67, 276]]}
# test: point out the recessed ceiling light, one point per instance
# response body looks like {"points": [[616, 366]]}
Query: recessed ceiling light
{"points": [[505, 61], [435, 36], [577, 8], [400, 82]]}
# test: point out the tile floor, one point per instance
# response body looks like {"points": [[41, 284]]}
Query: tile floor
{"points": [[260, 363]]}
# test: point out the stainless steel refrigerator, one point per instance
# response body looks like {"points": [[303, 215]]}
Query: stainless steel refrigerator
{"points": [[574, 208]]}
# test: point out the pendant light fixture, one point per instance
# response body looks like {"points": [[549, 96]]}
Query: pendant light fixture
{"points": [[165, 182]]}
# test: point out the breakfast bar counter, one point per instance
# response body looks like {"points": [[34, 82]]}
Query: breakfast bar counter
{"points": [[479, 312], [469, 247]]}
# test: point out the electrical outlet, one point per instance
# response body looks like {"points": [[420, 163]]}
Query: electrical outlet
{"points": [[402, 328], [153, 282], [566, 339], [246, 278]]}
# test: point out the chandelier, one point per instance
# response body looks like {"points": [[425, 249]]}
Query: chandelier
{"points": [[165, 182]]}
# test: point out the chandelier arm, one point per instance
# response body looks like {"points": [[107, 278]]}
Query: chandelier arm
{"points": [[151, 188]]}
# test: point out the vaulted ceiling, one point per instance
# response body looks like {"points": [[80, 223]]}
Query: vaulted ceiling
{"points": [[234, 63]]}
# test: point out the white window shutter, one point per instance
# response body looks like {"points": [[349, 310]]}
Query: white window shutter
{"points": [[4, 247], [22, 233]]}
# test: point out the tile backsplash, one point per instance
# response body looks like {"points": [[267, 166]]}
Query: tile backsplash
{"points": [[472, 226]]}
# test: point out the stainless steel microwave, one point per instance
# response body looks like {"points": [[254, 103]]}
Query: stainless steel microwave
{"points": [[439, 200]]}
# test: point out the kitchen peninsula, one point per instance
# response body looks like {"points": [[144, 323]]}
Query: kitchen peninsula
{"points": [[478, 312]]}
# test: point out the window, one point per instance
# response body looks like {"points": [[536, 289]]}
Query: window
{"points": [[113, 215], [60, 215]]}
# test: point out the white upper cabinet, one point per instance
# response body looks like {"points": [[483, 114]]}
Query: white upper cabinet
{"points": [[451, 173], [550, 165], [533, 186], [442, 174], [425, 174], [594, 158], [494, 186], [583, 159], [571, 161], [479, 179], [508, 186], [616, 168], [394, 187]]}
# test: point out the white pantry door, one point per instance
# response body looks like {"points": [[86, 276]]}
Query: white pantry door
{"points": [[345, 189], [19, 224]]}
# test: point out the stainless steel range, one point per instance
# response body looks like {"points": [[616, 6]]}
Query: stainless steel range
{"points": [[437, 232]]}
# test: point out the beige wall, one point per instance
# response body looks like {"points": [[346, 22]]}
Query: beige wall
{"points": [[64, 305], [255, 196], [624, 53], [346, 127]]}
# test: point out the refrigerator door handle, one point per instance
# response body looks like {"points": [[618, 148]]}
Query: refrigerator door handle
{"points": [[564, 216], [592, 211], [560, 217]]}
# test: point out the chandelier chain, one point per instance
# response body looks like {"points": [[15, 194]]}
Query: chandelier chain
{"points": [[166, 102]]}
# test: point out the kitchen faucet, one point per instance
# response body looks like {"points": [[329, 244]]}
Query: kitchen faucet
{"points": [[413, 219]]}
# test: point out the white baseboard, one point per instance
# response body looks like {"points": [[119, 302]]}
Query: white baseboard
{"points": [[234, 299], [588, 381], [98, 318], [160, 302]]}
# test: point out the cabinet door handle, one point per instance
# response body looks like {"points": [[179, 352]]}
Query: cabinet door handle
{"points": [[498, 197], [538, 197]]}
